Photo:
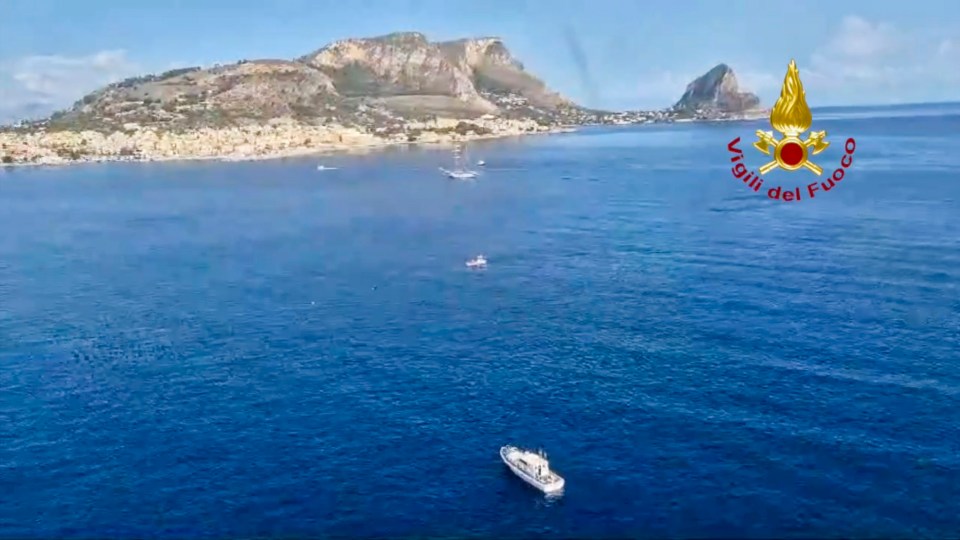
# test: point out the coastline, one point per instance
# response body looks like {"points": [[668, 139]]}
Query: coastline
{"points": [[335, 140]]}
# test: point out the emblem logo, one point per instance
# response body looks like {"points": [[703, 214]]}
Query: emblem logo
{"points": [[791, 117]]}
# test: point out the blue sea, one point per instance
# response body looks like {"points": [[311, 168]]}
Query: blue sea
{"points": [[212, 350]]}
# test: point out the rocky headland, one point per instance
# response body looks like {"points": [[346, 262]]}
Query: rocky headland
{"points": [[717, 95], [352, 94]]}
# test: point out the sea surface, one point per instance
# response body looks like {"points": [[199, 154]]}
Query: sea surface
{"points": [[264, 349]]}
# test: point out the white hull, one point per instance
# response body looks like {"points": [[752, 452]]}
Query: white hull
{"points": [[459, 175], [554, 485], [479, 262]]}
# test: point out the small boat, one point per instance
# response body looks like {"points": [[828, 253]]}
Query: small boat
{"points": [[459, 174], [532, 467], [459, 171], [477, 262], [325, 168], [481, 163]]}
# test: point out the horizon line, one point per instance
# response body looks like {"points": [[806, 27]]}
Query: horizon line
{"points": [[898, 104]]}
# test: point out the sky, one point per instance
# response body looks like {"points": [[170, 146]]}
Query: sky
{"points": [[614, 54]]}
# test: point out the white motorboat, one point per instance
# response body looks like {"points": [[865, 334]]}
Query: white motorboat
{"points": [[533, 468], [481, 163], [477, 262], [325, 168]]}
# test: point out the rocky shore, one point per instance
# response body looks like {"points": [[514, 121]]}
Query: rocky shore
{"points": [[287, 138], [274, 140]]}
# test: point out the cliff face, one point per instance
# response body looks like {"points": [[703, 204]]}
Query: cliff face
{"points": [[364, 82], [717, 90], [394, 65], [493, 69]]}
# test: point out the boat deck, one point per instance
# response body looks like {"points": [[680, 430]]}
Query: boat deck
{"points": [[527, 463]]}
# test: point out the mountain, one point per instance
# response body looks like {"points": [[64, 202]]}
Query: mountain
{"points": [[369, 83], [716, 91], [353, 93]]}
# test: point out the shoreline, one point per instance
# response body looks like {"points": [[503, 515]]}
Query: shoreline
{"points": [[370, 144]]}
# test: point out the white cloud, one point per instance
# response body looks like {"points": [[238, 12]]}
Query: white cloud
{"points": [[863, 62], [859, 38], [38, 85], [869, 61], [948, 54], [860, 51]]}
